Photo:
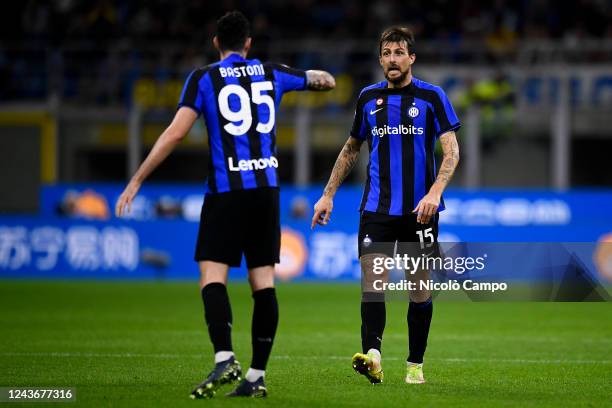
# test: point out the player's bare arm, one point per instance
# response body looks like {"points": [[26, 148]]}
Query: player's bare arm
{"points": [[428, 206], [320, 80], [165, 144], [450, 149], [344, 164]]}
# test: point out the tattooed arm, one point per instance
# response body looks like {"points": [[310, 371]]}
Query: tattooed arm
{"points": [[344, 164], [320, 80], [428, 206], [450, 160]]}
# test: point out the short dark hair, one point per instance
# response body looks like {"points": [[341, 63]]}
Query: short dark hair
{"points": [[232, 31], [397, 34]]}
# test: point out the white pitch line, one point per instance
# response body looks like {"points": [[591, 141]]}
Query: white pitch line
{"points": [[98, 355], [538, 339], [467, 337], [297, 357], [465, 360]]}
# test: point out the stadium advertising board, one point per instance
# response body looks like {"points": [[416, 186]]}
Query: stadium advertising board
{"points": [[76, 234]]}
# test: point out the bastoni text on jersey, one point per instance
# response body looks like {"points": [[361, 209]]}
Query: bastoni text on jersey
{"points": [[238, 72]]}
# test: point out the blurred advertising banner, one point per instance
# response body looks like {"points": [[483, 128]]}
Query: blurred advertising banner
{"points": [[38, 247], [77, 236]]}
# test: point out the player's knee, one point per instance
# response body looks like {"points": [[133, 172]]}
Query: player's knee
{"points": [[372, 265], [373, 274], [419, 293], [261, 277], [212, 272], [419, 296]]}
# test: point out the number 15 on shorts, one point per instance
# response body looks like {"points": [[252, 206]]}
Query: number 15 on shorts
{"points": [[426, 237]]}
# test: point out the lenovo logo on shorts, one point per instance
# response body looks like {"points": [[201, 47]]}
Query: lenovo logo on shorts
{"points": [[252, 164]]}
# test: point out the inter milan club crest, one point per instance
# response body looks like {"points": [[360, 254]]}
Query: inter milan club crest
{"points": [[413, 112], [379, 101]]}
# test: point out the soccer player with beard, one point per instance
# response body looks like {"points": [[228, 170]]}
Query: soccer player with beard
{"points": [[401, 118], [238, 98]]}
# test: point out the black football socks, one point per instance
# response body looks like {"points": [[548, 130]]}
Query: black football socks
{"points": [[419, 320], [373, 320], [263, 329], [218, 314]]}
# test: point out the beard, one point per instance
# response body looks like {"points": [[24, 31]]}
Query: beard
{"points": [[396, 80]]}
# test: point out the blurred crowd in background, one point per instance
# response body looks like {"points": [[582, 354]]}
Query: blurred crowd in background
{"points": [[57, 44], [106, 21]]}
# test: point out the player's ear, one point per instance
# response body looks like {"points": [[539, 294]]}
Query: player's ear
{"points": [[216, 43], [412, 58], [247, 45]]}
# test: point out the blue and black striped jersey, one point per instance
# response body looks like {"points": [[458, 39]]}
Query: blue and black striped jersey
{"points": [[401, 126], [238, 98]]}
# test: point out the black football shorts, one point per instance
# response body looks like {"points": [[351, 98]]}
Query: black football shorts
{"points": [[240, 222], [378, 233]]}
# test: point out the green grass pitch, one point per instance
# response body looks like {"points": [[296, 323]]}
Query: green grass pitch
{"points": [[145, 344]]}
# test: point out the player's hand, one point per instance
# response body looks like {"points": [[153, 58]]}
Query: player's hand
{"points": [[126, 198], [427, 207], [322, 211]]}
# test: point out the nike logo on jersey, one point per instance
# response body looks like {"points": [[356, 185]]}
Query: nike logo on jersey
{"points": [[374, 111]]}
